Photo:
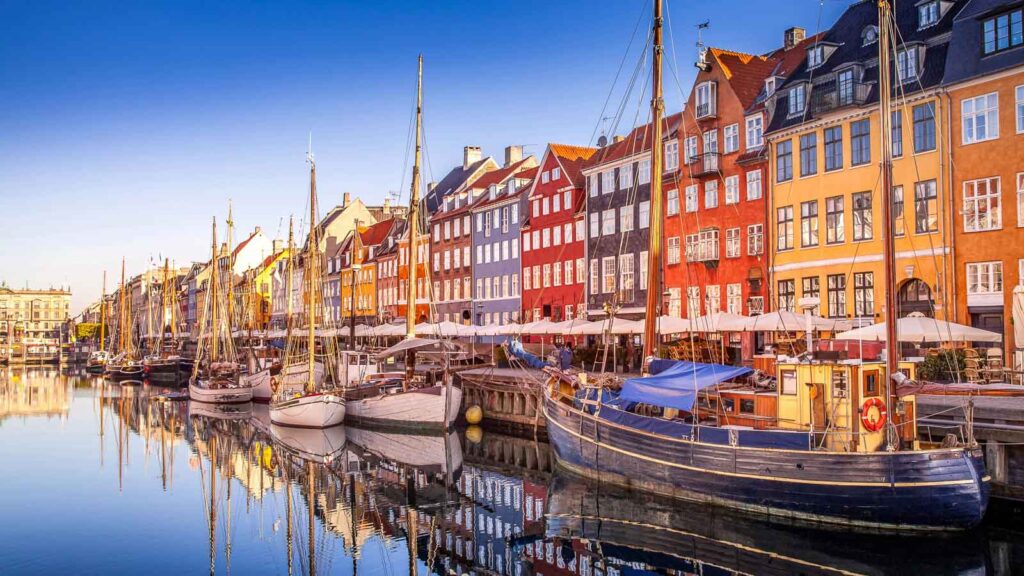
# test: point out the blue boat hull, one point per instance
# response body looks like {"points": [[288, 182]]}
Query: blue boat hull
{"points": [[917, 490]]}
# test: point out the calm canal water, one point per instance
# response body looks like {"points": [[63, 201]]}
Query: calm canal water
{"points": [[106, 479]]}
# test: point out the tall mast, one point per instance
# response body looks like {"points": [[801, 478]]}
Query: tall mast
{"points": [[212, 296], [231, 270], [312, 273], [103, 313], [165, 301], [654, 250], [888, 243], [288, 279], [121, 314], [414, 211]]}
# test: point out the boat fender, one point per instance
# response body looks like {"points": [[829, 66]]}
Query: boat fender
{"points": [[873, 424]]}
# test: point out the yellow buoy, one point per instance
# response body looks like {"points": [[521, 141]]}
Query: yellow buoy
{"points": [[474, 434], [474, 414]]}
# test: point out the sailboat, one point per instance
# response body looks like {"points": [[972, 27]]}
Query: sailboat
{"points": [[97, 362], [260, 375], [167, 363], [215, 375], [399, 400], [309, 406], [877, 476], [125, 365]]}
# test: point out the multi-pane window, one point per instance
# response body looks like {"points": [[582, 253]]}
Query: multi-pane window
{"points": [[863, 294], [707, 248], [732, 138], [628, 279], [815, 57], [595, 229], [927, 13], [755, 240], [673, 256], [810, 288], [608, 222], [982, 207], [711, 194], [862, 220], [732, 243], [809, 223], [568, 272], [899, 221], [643, 175], [734, 298], [691, 149], [608, 274], [809, 154], [844, 87], [643, 270], [835, 226], [897, 133], [712, 298], [926, 207], [691, 198], [784, 228], [784, 161], [755, 131], [547, 275], [980, 118], [626, 177], [693, 301], [924, 127], [626, 218], [1020, 199], [645, 214], [1002, 32], [833, 148], [556, 203], [985, 278], [732, 190], [860, 142], [787, 295], [594, 286], [607, 181], [671, 155], [556, 274], [591, 184], [797, 97], [672, 202], [754, 184], [837, 295], [1020, 109], [906, 65]]}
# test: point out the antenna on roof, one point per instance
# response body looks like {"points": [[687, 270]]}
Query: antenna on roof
{"points": [[702, 50]]}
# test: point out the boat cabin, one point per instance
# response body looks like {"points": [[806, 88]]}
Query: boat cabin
{"points": [[745, 406]]}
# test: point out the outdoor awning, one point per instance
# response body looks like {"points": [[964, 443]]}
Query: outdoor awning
{"points": [[1018, 316], [786, 321], [719, 322], [677, 386], [419, 345], [919, 328]]}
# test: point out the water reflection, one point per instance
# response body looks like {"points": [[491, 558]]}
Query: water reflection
{"points": [[235, 493]]}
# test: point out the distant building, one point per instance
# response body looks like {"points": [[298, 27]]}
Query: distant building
{"points": [[33, 316]]}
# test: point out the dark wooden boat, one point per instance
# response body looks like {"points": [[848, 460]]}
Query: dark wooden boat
{"points": [[125, 371], [176, 369]]}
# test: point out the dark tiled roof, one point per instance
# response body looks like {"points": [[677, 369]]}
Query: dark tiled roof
{"points": [[966, 44], [451, 182], [638, 140], [846, 35]]}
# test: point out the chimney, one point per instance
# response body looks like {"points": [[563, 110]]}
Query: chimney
{"points": [[618, 138], [346, 199], [513, 154], [258, 230], [387, 207], [793, 36], [277, 245], [470, 156]]}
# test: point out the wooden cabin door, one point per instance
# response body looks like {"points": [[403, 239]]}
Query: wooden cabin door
{"points": [[818, 407]]}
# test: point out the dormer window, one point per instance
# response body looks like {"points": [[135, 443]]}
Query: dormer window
{"points": [[907, 66], [797, 99], [869, 36], [769, 86], [927, 14], [815, 57], [1003, 31], [512, 186], [492, 191], [706, 100]]}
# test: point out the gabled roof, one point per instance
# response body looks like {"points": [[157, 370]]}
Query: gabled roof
{"points": [[744, 72], [572, 158], [637, 141], [502, 195], [453, 181], [500, 175], [375, 234]]}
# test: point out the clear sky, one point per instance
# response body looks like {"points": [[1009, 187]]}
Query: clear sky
{"points": [[126, 126]]}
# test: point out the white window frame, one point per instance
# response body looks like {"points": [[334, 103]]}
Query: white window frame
{"points": [[992, 272], [607, 181], [732, 189], [755, 131], [731, 135], [671, 155], [987, 202], [644, 172], [626, 218], [710, 194], [690, 149], [626, 177], [1019, 97], [732, 243], [608, 274], [673, 255], [754, 189], [797, 99], [984, 107], [691, 201], [672, 202], [608, 222]]}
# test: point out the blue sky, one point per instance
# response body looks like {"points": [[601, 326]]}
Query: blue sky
{"points": [[125, 126]]}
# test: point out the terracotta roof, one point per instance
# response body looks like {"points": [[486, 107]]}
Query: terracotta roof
{"points": [[572, 159], [500, 175], [637, 141], [374, 235], [745, 72], [243, 243]]}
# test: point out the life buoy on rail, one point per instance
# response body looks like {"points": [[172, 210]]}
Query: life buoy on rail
{"points": [[873, 420]]}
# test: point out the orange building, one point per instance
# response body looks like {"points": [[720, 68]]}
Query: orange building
{"points": [[985, 89]]}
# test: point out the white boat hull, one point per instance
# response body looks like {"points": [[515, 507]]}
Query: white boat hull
{"points": [[309, 411], [202, 393], [298, 374], [436, 407], [427, 452], [221, 411], [260, 384], [321, 445]]}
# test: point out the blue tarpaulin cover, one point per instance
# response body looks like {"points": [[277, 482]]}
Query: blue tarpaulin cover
{"points": [[515, 347], [677, 385]]}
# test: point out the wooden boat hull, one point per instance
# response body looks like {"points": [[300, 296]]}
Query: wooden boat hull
{"points": [[260, 384], [309, 411], [197, 390], [432, 408], [907, 490], [133, 373], [176, 369]]}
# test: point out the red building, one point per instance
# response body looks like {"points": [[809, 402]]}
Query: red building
{"points": [[715, 255], [554, 237]]}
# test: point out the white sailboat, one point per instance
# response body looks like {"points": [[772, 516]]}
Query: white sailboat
{"points": [[215, 376], [396, 399], [309, 406]]}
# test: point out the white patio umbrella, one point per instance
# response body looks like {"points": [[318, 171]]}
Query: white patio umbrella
{"points": [[919, 328], [786, 321], [618, 326], [1018, 316], [720, 322], [672, 325]]}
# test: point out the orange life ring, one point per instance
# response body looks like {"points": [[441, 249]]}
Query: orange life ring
{"points": [[865, 414]]}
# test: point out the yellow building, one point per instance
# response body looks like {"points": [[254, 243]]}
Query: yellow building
{"points": [[825, 213], [260, 307]]}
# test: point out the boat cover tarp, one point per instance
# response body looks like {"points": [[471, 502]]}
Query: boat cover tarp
{"points": [[515, 348], [677, 386]]}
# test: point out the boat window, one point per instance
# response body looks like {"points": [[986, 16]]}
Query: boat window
{"points": [[789, 382], [871, 383], [728, 404], [747, 406]]}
